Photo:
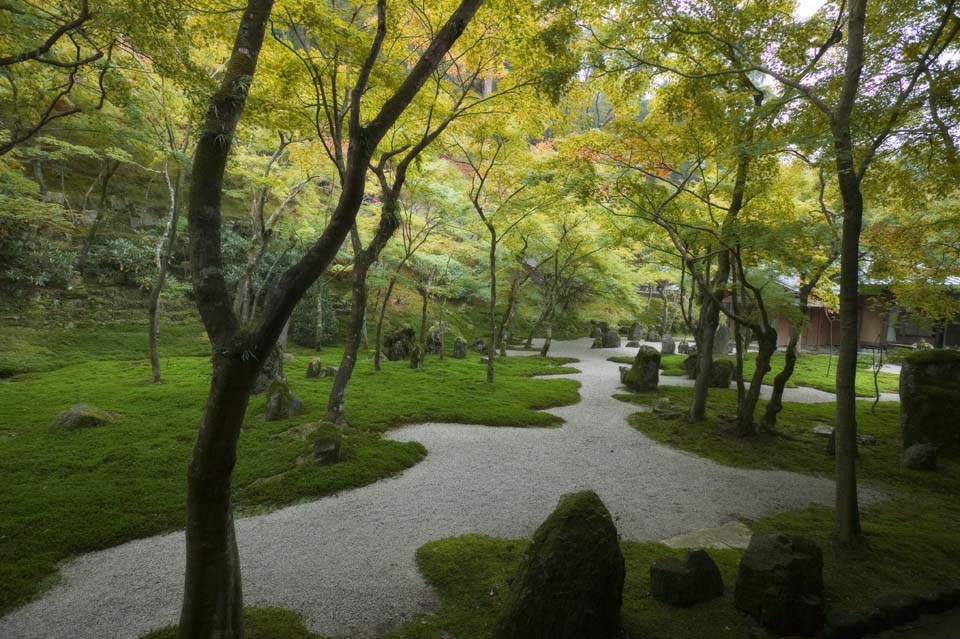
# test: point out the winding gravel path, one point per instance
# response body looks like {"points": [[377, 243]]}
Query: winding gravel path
{"points": [[347, 561]]}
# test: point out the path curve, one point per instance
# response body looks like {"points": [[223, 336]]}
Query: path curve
{"points": [[348, 561]]}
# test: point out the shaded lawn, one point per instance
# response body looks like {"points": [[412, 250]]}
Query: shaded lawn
{"points": [[72, 492], [815, 371]]}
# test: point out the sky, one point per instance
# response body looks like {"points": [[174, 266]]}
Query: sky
{"points": [[806, 8]]}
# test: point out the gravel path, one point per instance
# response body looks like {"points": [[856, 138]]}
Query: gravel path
{"points": [[347, 561]]}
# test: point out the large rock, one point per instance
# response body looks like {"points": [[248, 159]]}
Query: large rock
{"points": [[721, 341], [644, 375], [653, 335], [81, 416], [920, 457], [929, 396], [597, 343], [570, 583], [314, 368], [399, 344], [636, 332], [281, 402], [611, 339], [780, 583], [596, 332], [683, 347], [691, 365], [668, 346], [459, 348], [721, 373], [686, 583]]}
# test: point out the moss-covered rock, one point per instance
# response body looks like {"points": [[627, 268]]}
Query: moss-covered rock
{"points": [[81, 416], [686, 583], [780, 583], [644, 374], [721, 374], [570, 583], [929, 395]]}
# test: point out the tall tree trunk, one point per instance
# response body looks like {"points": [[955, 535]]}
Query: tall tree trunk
{"points": [[212, 598], [847, 529], [319, 331], [164, 251], [492, 349], [508, 314], [536, 327]]}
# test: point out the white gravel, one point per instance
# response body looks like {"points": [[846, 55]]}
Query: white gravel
{"points": [[347, 561]]}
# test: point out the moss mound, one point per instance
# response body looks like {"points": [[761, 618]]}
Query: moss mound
{"points": [[570, 583]]}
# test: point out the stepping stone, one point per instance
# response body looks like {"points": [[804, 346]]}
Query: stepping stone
{"points": [[734, 534]]}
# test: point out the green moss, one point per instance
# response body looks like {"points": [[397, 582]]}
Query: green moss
{"points": [[73, 492], [259, 623], [932, 356]]}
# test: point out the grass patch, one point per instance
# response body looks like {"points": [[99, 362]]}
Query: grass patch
{"points": [[71, 492], [912, 536], [811, 370], [258, 623]]}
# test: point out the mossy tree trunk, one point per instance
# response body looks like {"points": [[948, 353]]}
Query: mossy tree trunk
{"points": [[164, 251]]}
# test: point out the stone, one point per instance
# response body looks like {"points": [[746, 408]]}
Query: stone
{"points": [[636, 332], [897, 607], [81, 416], [399, 344], [434, 341], [686, 583], [929, 395], [653, 336], [691, 365], [281, 402], [328, 371], [611, 339], [920, 457], [314, 368], [459, 348], [721, 341], [644, 375], [780, 583], [633, 344], [326, 451], [668, 346], [416, 357], [823, 430], [597, 343], [479, 346], [721, 374], [570, 582], [683, 347], [596, 332]]}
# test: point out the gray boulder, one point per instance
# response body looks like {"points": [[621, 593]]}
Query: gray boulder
{"points": [[644, 375], [929, 396], [920, 457], [780, 583], [595, 331], [597, 343], [281, 402], [328, 371], [668, 346], [314, 368], [633, 344], [81, 416], [459, 348], [691, 365], [636, 332], [683, 347], [721, 341], [479, 345], [570, 583], [653, 336], [686, 583], [326, 451], [611, 339]]}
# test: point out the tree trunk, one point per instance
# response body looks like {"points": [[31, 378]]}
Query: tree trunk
{"points": [[378, 337], [535, 328], [358, 309], [164, 250], [508, 314], [767, 345], [319, 332], [110, 169], [212, 598], [775, 405], [709, 321], [492, 349]]}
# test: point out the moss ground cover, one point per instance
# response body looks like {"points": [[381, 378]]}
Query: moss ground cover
{"points": [[72, 492], [815, 371]]}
